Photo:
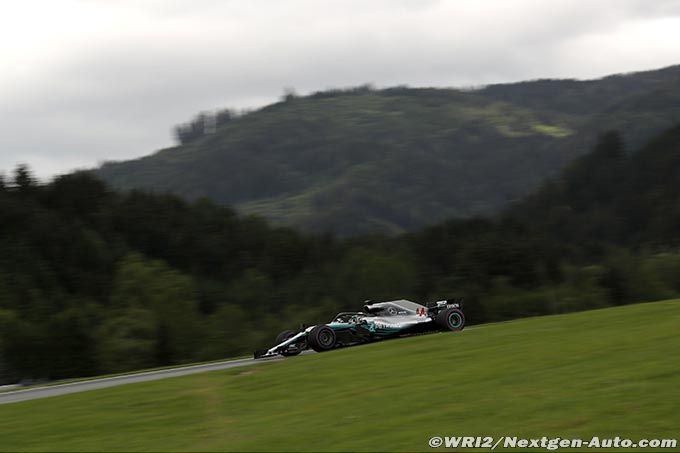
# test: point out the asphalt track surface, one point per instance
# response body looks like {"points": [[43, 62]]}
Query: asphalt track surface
{"points": [[16, 396]]}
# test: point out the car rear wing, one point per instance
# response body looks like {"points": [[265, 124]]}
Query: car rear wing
{"points": [[456, 302]]}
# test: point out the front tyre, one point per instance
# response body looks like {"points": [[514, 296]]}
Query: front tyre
{"points": [[321, 338], [293, 349], [451, 319]]}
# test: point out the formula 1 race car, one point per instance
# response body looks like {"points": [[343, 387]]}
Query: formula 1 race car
{"points": [[377, 321]]}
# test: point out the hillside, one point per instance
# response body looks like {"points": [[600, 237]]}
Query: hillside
{"points": [[600, 373], [612, 196], [365, 160]]}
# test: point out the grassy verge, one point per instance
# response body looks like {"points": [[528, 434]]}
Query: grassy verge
{"points": [[611, 372]]}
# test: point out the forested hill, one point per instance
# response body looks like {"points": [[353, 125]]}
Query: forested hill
{"points": [[612, 196], [365, 160]]}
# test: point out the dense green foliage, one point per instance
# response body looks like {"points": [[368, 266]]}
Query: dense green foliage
{"points": [[96, 281], [92, 281], [602, 373], [365, 160], [612, 196]]}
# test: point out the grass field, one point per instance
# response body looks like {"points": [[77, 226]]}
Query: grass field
{"points": [[612, 372]]}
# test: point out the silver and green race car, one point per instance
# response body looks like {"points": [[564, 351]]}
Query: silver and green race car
{"points": [[376, 321]]}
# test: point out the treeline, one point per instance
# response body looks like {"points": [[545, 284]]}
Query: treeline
{"points": [[97, 281], [203, 124], [94, 281]]}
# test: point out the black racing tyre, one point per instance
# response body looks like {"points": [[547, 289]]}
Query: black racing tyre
{"points": [[283, 336], [321, 338], [451, 319]]}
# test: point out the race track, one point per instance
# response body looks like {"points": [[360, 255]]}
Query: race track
{"points": [[16, 396]]}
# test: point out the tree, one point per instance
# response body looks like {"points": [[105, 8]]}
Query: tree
{"points": [[609, 145], [6, 373], [367, 274], [24, 346], [226, 333], [23, 179], [171, 298], [72, 341], [127, 341], [289, 94]]}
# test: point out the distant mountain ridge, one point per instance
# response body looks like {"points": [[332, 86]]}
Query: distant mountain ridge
{"points": [[364, 160]]}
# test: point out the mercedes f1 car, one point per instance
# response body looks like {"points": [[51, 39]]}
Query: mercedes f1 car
{"points": [[377, 321]]}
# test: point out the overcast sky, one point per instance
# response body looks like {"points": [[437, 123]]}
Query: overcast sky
{"points": [[86, 81]]}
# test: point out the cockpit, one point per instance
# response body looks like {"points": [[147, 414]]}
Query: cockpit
{"points": [[349, 317]]}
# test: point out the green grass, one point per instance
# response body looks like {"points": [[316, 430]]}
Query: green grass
{"points": [[553, 131], [606, 372]]}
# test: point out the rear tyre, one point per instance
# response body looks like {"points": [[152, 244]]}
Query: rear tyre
{"points": [[451, 319], [295, 348], [321, 338]]}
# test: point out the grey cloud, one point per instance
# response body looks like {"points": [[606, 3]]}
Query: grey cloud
{"points": [[120, 96]]}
